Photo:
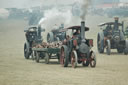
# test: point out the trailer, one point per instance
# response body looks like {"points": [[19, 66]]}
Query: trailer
{"points": [[48, 52]]}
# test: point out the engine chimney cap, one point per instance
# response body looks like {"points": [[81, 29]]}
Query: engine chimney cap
{"points": [[116, 18]]}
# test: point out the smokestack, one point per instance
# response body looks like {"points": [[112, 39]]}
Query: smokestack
{"points": [[123, 27], [83, 31], [116, 23], [39, 31]]}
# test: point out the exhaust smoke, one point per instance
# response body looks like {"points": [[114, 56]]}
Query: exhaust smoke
{"points": [[4, 13], [54, 17], [84, 9]]}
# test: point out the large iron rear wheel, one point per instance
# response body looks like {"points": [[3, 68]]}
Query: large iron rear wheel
{"points": [[50, 37], [58, 39], [64, 58], [100, 43], [26, 53]]}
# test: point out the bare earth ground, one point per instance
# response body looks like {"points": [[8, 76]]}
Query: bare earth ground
{"points": [[15, 70]]}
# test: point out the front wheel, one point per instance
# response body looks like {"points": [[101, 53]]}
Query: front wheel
{"points": [[74, 59], [108, 48], [92, 59], [126, 47]]}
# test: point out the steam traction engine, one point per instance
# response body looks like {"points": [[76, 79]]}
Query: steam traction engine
{"points": [[112, 37], [56, 34], [33, 36], [77, 49]]}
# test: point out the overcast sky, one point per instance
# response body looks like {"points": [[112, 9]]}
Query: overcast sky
{"points": [[124, 0], [31, 3]]}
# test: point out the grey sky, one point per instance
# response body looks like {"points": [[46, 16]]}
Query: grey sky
{"points": [[30, 3], [124, 0]]}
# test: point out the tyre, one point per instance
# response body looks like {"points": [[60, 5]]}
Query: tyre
{"points": [[57, 39], [46, 58], [100, 43], [122, 36], [92, 59], [26, 52], [108, 48], [64, 58], [74, 59], [37, 57], [126, 47], [50, 37]]}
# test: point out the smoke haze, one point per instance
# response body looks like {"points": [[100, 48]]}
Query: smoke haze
{"points": [[84, 8], [31, 3], [4, 13], [55, 17]]}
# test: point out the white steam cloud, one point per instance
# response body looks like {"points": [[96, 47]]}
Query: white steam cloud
{"points": [[55, 17], [4, 13], [84, 8]]}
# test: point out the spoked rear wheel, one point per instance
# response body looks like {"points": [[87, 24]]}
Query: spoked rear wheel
{"points": [[26, 53], [64, 56], [100, 44], [74, 59], [50, 37]]}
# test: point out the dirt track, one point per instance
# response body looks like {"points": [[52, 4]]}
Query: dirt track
{"points": [[15, 70]]}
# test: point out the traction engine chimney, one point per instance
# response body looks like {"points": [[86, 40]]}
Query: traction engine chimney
{"points": [[83, 31]]}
